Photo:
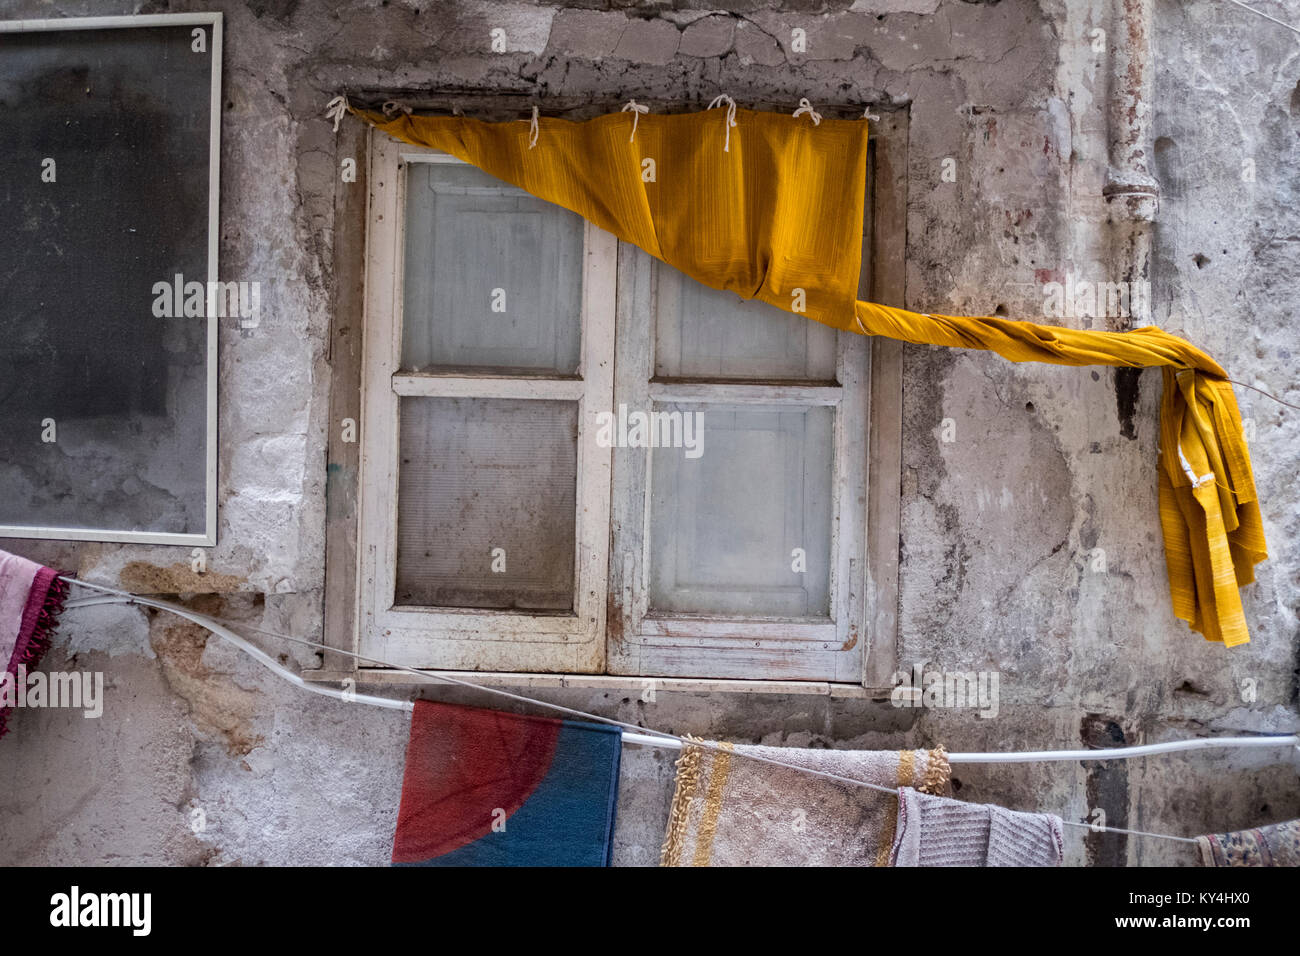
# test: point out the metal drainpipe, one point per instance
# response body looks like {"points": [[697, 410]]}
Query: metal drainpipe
{"points": [[1131, 191], [1132, 199]]}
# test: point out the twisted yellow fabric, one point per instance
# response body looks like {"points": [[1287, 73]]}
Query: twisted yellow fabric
{"points": [[772, 209]]}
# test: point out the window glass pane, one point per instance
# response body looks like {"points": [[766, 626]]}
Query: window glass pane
{"points": [[724, 524], [704, 333], [479, 475], [493, 276], [103, 288]]}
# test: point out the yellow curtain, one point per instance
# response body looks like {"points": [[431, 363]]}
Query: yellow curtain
{"points": [[772, 208]]}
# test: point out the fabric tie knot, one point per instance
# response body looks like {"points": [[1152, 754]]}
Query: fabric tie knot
{"points": [[636, 109], [806, 107], [336, 109], [533, 129], [731, 117]]}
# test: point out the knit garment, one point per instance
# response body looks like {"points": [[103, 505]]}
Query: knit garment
{"points": [[1275, 845], [937, 831], [729, 810]]}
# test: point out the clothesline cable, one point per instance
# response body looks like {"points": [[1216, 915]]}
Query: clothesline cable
{"points": [[1265, 394], [218, 627], [638, 736], [641, 736], [1261, 13], [1115, 753], [641, 739]]}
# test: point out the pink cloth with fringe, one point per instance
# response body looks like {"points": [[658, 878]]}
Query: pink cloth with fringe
{"points": [[31, 599]]}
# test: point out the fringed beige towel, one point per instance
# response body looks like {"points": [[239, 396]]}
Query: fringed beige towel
{"points": [[729, 810]]}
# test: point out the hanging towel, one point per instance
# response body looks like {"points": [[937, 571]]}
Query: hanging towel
{"points": [[937, 831], [484, 788], [31, 599], [732, 811], [1275, 845]]}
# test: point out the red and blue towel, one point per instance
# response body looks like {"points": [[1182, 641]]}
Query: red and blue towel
{"points": [[484, 788]]}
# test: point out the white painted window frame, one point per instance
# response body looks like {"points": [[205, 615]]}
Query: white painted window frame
{"points": [[648, 643], [882, 280], [422, 637], [208, 537]]}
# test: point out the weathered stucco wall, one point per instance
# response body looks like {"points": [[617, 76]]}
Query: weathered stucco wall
{"points": [[1004, 508]]}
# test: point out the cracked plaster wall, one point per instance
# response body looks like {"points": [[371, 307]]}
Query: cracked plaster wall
{"points": [[999, 524]]}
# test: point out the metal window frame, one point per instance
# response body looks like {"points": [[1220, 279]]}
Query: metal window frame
{"points": [[208, 537]]}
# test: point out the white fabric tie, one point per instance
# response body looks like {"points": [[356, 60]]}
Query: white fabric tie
{"points": [[637, 109], [868, 115], [1191, 475], [533, 129], [336, 110], [1182, 459], [731, 117], [806, 107]]}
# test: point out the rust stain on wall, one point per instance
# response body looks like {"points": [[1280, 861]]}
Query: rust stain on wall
{"points": [[1107, 787]]}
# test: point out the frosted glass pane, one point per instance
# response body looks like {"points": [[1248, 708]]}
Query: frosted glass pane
{"points": [[704, 333], [723, 526], [493, 276], [481, 474]]}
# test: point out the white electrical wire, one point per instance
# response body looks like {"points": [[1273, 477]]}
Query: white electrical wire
{"points": [[1043, 756], [1261, 13], [642, 735]]}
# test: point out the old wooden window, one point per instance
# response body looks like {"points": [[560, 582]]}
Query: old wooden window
{"points": [[489, 350], [510, 518], [742, 556]]}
